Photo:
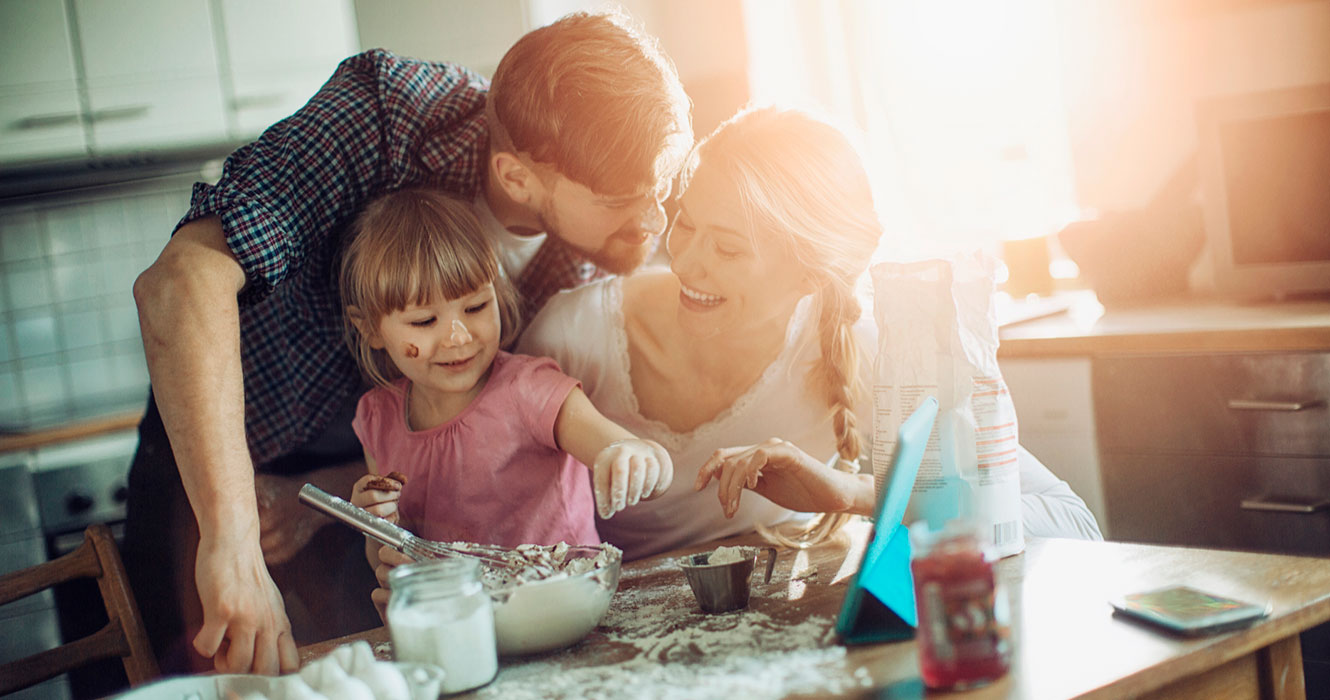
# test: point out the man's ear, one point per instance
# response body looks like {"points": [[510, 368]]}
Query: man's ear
{"points": [[364, 327], [519, 181]]}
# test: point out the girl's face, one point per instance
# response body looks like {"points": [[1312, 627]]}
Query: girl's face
{"points": [[730, 277], [445, 346]]}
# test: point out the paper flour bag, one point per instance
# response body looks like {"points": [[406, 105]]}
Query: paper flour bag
{"points": [[937, 335]]}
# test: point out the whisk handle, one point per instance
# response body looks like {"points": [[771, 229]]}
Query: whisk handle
{"points": [[354, 515]]}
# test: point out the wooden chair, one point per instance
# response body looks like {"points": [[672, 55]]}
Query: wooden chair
{"points": [[123, 636]]}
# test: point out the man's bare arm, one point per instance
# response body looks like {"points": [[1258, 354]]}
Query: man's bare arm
{"points": [[190, 321]]}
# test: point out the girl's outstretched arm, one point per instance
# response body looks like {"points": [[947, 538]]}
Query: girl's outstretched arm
{"points": [[625, 469]]}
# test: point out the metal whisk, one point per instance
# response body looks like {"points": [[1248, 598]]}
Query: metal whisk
{"points": [[400, 538]]}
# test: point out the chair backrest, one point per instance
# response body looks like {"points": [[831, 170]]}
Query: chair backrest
{"points": [[122, 637]]}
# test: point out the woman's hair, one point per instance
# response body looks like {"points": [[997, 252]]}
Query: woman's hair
{"points": [[802, 185], [404, 248], [594, 97]]}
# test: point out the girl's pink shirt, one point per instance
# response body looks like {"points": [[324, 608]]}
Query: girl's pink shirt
{"points": [[494, 473]]}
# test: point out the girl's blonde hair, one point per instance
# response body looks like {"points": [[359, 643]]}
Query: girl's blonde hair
{"points": [[404, 248], [803, 186]]}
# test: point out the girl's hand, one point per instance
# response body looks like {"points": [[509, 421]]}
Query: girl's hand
{"points": [[378, 494], [781, 472], [628, 471], [389, 558]]}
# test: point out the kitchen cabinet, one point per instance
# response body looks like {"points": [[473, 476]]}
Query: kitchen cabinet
{"points": [[1055, 420], [1228, 450], [279, 54], [150, 71], [40, 108], [96, 78], [1210, 417]]}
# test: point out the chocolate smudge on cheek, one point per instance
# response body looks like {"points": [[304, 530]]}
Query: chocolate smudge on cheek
{"points": [[412, 350]]}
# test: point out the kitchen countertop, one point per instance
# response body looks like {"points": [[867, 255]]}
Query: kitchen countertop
{"points": [[1087, 328], [11, 442]]}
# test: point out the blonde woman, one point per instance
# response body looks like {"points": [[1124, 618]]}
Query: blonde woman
{"points": [[745, 359]]}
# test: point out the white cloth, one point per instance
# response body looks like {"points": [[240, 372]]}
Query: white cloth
{"points": [[583, 330], [514, 251]]}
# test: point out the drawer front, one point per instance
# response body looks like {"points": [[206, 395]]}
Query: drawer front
{"points": [[1217, 403], [1198, 501]]}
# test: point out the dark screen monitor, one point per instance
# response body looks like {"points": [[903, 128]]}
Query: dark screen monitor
{"points": [[1265, 181]]}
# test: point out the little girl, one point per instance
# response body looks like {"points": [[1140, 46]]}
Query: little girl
{"points": [[487, 443]]}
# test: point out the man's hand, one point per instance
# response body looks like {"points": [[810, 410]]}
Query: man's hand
{"points": [[389, 558], [785, 475], [629, 471], [245, 629]]}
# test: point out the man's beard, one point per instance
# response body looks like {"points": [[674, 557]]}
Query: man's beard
{"points": [[619, 255]]}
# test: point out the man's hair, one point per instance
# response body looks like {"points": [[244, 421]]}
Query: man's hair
{"points": [[595, 98], [406, 247]]}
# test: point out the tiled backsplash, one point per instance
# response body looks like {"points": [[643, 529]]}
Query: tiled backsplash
{"points": [[69, 333]]}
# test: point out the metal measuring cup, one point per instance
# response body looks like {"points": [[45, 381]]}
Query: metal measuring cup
{"points": [[724, 587]]}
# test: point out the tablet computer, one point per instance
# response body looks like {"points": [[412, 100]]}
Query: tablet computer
{"points": [[879, 605]]}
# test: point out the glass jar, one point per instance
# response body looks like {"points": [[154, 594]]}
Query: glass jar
{"points": [[439, 613], [964, 617]]}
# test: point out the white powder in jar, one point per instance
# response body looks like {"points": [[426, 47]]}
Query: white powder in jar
{"points": [[456, 634], [727, 555]]}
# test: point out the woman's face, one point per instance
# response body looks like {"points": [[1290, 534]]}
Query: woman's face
{"points": [[731, 278]]}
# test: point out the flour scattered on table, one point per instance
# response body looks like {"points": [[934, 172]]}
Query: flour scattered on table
{"points": [[679, 652]]}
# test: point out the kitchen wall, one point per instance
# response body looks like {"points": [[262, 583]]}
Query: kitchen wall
{"points": [[69, 334], [1132, 71]]}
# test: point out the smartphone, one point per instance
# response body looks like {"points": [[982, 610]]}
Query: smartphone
{"points": [[1187, 611]]}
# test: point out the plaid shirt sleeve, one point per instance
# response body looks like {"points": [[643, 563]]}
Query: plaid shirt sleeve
{"points": [[369, 129], [380, 123]]}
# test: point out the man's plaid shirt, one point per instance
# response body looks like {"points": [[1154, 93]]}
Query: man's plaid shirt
{"points": [[381, 123]]}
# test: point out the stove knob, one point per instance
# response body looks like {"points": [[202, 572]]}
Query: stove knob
{"points": [[121, 494], [76, 503]]}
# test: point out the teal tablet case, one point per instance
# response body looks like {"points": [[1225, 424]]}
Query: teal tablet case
{"points": [[879, 606]]}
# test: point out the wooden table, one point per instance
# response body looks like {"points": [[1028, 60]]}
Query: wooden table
{"points": [[655, 642]]}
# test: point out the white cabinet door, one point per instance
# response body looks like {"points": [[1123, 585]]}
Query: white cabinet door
{"points": [[279, 54], [150, 68], [1055, 418], [40, 114]]}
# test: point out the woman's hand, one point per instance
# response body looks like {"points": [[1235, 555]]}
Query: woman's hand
{"points": [[629, 471], [784, 474], [389, 559]]}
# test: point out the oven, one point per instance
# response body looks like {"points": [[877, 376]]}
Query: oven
{"points": [[52, 494]]}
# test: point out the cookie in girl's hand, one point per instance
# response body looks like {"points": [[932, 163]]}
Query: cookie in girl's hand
{"points": [[392, 482]]}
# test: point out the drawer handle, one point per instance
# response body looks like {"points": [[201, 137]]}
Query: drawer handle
{"points": [[120, 113], [47, 121], [1278, 504], [243, 102], [1266, 405]]}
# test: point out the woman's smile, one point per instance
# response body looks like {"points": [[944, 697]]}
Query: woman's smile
{"points": [[697, 300]]}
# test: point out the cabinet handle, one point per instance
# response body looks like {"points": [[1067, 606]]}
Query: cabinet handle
{"points": [[1276, 504], [243, 102], [119, 113], [1265, 405], [47, 121]]}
